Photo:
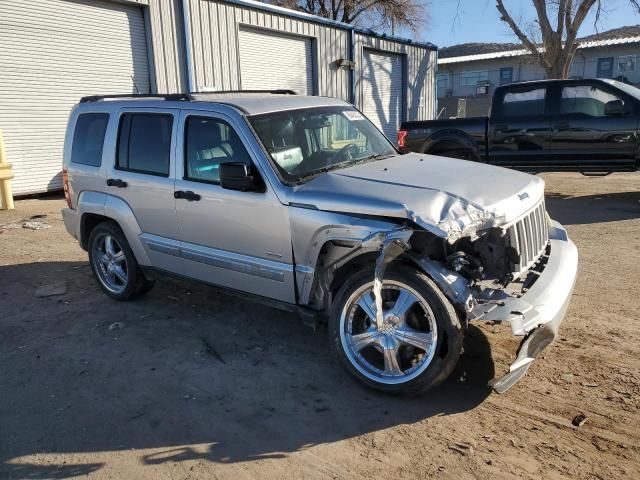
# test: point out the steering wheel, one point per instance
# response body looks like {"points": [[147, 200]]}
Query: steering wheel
{"points": [[344, 150]]}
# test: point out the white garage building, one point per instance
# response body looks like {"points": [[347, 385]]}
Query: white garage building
{"points": [[52, 52]]}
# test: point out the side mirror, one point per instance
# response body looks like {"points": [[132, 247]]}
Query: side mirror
{"points": [[614, 108], [239, 176]]}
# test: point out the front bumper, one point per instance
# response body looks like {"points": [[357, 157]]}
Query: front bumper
{"points": [[537, 313]]}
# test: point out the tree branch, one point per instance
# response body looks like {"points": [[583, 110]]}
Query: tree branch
{"points": [[529, 45]]}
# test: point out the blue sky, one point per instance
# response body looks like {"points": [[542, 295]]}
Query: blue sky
{"points": [[478, 20]]}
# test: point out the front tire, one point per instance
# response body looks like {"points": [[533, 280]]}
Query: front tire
{"points": [[419, 342], [114, 265]]}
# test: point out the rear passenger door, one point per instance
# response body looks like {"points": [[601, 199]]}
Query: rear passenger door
{"points": [[586, 135], [520, 128], [141, 174], [240, 240]]}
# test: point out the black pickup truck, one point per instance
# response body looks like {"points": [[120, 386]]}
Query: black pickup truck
{"points": [[588, 126]]}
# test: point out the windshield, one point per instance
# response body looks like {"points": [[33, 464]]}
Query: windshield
{"points": [[305, 142]]}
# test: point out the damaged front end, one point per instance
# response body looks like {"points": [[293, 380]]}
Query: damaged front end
{"points": [[521, 273]]}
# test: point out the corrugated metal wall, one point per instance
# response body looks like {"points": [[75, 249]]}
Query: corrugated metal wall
{"points": [[52, 53], [215, 46], [420, 65], [164, 18]]}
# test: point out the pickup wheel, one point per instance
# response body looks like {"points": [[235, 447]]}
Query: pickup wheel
{"points": [[418, 343], [114, 265]]}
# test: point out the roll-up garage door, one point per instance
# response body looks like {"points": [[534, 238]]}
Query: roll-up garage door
{"points": [[271, 60], [382, 90], [52, 52]]}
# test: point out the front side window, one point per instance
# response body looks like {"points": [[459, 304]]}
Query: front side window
{"points": [[302, 143], [208, 143], [88, 138], [144, 143], [471, 79], [586, 100], [523, 103]]}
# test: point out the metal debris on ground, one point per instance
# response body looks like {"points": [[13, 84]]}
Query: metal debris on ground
{"points": [[579, 420], [59, 288], [36, 225], [116, 326]]}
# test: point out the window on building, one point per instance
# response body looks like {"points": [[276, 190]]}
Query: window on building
{"points": [[208, 143], [626, 63], [576, 69], [442, 84], [144, 143], [88, 138], [506, 75], [523, 103], [473, 78], [585, 100]]}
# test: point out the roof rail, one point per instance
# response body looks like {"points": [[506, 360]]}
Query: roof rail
{"points": [[281, 91], [164, 96], [178, 96]]}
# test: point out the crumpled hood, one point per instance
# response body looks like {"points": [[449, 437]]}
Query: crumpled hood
{"points": [[451, 198]]}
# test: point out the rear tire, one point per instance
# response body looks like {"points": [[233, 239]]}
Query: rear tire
{"points": [[114, 264], [420, 340]]}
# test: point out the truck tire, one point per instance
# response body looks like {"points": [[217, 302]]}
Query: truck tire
{"points": [[114, 265], [418, 343]]}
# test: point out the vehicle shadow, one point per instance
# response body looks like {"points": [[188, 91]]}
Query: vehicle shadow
{"points": [[587, 209], [189, 372]]}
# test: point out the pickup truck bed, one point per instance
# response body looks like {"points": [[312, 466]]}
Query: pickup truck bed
{"points": [[589, 126]]}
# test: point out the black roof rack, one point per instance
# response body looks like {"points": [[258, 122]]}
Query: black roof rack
{"points": [[163, 96], [177, 96]]}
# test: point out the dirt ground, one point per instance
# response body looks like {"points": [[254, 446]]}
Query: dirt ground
{"points": [[148, 400]]}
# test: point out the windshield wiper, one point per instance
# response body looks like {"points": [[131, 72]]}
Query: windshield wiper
{"points": [[349, 163]]}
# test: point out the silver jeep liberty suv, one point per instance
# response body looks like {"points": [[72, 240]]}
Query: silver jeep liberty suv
{"points": [[303, 201]]}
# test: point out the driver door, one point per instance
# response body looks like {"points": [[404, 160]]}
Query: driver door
{"points": [[240, 240]]}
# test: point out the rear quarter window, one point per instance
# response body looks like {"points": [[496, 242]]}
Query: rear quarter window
{"points": [[88, 138]]}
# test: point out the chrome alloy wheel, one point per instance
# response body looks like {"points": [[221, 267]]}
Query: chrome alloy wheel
{"points": [[111, 263], [399, 349]]}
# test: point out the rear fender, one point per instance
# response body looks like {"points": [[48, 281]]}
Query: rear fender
{"points": [[118, 210], [450, 136]]}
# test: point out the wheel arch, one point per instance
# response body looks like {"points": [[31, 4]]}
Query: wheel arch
{"points": [[97, 207], [455, 138]]}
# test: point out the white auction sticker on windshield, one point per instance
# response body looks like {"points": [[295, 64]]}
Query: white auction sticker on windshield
{"points": [[353, 115]]}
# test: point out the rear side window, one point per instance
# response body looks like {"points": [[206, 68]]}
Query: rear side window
{"points": [[88, 138], [144, 143], [523, 103]]}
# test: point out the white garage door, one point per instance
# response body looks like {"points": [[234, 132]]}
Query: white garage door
{"points": [[52, 52], [274, 61], [382, 90]]}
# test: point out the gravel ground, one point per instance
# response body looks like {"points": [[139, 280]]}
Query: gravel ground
{"points": [[90, 386]]}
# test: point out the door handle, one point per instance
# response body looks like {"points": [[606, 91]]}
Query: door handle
{"points": [[188, 195], [116, 182]]}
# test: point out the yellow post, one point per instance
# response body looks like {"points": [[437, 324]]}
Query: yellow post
{"points": [[6, 174]]}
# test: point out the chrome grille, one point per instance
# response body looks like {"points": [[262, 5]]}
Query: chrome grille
{"points": [[529, 236]]}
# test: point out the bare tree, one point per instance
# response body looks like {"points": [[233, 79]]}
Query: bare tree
{"points": [[388, 14], [558, 45]]}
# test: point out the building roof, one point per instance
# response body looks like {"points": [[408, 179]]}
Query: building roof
{"points": [[470, 52]]}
